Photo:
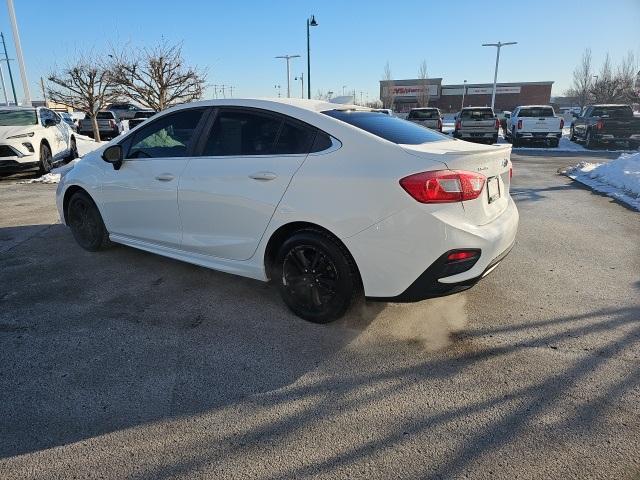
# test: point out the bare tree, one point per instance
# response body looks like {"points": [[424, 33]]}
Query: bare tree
{"points": [[423, 94], [582, 80], [627, 78], [387, 88], [84, 85], [156, 77], [606, 88]]}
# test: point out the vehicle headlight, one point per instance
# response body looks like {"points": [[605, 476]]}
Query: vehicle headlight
{"points": [[22, 135]]}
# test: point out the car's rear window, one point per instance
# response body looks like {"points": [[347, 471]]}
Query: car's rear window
{"points": [[622, 111], [477, 114], [423, 114], [105, 115], [538, 112], [384, 126]]}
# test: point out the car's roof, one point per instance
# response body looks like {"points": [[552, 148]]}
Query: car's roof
{"points": [[609, 105], [266, 103], [476, 108], [534, 106], [424, 108]]}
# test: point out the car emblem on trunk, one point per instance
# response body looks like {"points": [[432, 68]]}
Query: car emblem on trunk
{"points": [[505, 162]]}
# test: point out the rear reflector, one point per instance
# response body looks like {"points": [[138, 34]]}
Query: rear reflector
{"points": [[444, 186], [458, 255]]}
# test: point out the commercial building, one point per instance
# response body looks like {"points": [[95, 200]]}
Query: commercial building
{"points": [[407, 94]]}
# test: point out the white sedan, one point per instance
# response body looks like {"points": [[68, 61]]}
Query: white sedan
{"points": [[328, 201], [34, 137]]}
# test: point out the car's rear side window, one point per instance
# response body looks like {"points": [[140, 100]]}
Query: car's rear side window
{"points": [[294, 139], [384, 126], [423, 114], [538, 112], [477, 114]]}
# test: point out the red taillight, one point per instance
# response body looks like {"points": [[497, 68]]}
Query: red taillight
{"points": [[443, 186], [600, 124], [510, 173], [112, 123], [519, 124], [439, 124], [497, 124], [458, 125], [462, 255], [561, 123]]}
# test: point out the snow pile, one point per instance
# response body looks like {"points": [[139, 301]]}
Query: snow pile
{"points": [[46, 178], [619, 179]]}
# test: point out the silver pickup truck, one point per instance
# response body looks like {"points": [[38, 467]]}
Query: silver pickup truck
{"points": [[427, 117], [109, 125], [477, 124]]}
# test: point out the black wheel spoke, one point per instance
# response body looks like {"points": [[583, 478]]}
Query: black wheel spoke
{"points": [[315, 295]]}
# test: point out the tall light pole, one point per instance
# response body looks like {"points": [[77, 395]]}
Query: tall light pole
{"points": [[311, 22], [301, 78], [498, 46], [16, 41], [287, 58], [4, 87], [464, 92]]}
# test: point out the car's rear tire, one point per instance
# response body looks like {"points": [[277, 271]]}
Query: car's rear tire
{"points": [[85, 222], [573, 134], [514, 140], [317, 278], [46, 160], [589, 142], [554, 143]]}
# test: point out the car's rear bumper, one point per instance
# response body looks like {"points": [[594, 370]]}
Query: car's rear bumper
{"points": [[400, 257], [475, 135], [537, 136], [609, 137]]}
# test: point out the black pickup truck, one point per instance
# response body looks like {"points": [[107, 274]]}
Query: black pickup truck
{"points": [[600, 124]]}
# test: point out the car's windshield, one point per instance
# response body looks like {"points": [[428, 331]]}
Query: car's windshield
{"points": [[18, 118], [539, 112], [622, 111], [424, 114], [384, 126], [477, 114]]}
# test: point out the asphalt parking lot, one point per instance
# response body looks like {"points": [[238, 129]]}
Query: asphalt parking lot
{"points": [[123, 364]]}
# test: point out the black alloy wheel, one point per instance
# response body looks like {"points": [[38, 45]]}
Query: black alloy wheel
{"points": [[46, 160], [317, 277], [86, 223]]}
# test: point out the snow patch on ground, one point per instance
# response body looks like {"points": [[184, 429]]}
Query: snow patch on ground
{"points": [[619, 179], [85, 145]]}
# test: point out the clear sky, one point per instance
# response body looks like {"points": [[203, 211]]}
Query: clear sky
{"points": [[236, 40]]}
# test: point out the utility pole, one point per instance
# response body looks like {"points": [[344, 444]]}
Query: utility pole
{"points": [[16, 42], [288, 58], [7, 59], [498, 46], [231, 91], [4, 87]]}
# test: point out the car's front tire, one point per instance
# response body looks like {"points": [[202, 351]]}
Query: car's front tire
{"points": [[589, 142], [46, 159], [317, 278], [86, 223]]}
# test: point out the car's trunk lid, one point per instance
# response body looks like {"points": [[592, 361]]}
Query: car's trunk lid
{"points": [[491, 161]]}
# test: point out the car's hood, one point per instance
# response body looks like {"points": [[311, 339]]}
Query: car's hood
{"points": [[11, 131]]}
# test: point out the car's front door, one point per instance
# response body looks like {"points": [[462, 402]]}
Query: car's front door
{"points": [[140, 199], [228, 194]]}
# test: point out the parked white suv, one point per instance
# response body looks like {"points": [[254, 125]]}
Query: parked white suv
{"points": [[34, 137], [534, 123]]}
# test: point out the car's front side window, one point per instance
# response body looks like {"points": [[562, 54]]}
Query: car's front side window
{"points": [[169, 136]]}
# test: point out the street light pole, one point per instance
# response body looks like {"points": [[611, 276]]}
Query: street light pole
{"points": [[16, 42], [464, 92], [311, 22], [301, 78], [498, 46], [287, 58], [4, 87]]}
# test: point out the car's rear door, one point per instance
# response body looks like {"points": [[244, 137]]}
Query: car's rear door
{"points": [[140, 200], [228, 194]]}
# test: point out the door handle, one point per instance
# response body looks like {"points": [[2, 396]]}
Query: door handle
{"points": [[264, 176], [165, 177]]}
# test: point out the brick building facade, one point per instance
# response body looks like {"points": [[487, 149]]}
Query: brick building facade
{"points": [[448, 98]]}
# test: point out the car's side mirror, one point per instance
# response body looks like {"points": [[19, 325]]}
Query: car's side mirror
{"points": [[113, 155], [49, 122]]}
